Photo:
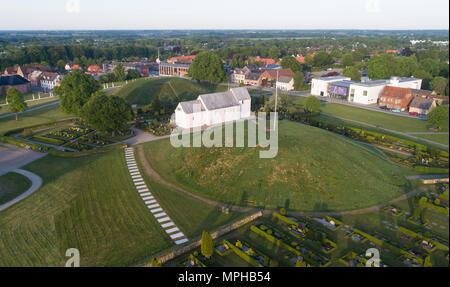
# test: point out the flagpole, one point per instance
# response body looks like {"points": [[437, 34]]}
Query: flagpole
{"points": [[276, 103]]}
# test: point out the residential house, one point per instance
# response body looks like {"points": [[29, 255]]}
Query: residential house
{"points": [[263, 61], [269, 77], [71, 66], [396, 98], [49, 81], [238, 76], [14, 81], [422, 106], [213, 109], [35, 79], [285, 83], [252, 79]]}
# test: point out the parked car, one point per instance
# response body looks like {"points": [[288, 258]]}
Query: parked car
{"points": [[396, 111], [414, 114]]}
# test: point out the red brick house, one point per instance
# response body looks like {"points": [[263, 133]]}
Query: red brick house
{"points": [[269, 77], [14, 81], [395, 98]]}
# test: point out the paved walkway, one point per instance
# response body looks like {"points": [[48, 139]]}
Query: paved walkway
{"points": [[12, 157], [31, 109], [151, 202], [152, 173], [36, 182], [142, 137]]}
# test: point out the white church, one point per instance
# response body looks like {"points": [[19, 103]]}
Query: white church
{"points": [[213, 109]]}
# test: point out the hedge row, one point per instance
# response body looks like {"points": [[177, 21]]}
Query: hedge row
{"points": [[273, 239], [421, 237], [242, 254], [424, 202], [88, 152], [431, 170], [285, 219], [23, 144], [38, 127]]}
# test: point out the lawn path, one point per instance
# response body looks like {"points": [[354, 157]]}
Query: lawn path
{"points": [[153, 174], [36, 182]]}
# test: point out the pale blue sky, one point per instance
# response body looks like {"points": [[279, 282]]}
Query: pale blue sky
{"points": [[224, 14]]}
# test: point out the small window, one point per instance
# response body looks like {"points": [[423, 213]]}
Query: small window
{"points": [[365, 93]]}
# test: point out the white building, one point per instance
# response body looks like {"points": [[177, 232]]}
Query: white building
{"points": [[212, 109], [364, 92], [49, 81], [285, 83], [319, 86]]}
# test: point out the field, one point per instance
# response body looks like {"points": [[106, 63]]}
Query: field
{"points": [[443, 139], [87, 203], [143, 91], [90, 203], [314, 170], [12, 185], [42, 116]]}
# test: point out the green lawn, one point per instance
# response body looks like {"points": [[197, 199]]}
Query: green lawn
{"points": [[314, 170], [143, 91], [42, 116], [443, 139], [87, 203], [12, 185], [384, 120], [5, 109]]}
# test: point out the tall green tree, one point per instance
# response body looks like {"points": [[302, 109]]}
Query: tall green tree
{"points": [[207, 66], [312, 104], [119, 73], [207, 245], [299, 81], [347, 60], [352, 72], [290, 62], [107, 113], [322, 59], [16, 102], [439, 117], [439, 85], [75, 90], [274, 53], [378, 68]]}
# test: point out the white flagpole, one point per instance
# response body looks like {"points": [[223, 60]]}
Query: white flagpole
{"points": [[276, 103]]}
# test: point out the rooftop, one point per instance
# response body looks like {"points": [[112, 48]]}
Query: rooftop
{"points": [[12, 80]]}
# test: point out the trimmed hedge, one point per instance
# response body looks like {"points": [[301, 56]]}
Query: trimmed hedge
{"points": [[421, 237], [284, 219], [242, 254], [88, 152], [424, 202], [273, 239], [23, 144], [431, 170], [38, 127]]}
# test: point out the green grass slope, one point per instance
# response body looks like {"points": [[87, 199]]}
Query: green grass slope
{"points": [[314, 170], [87, 203], [12, 185], [143, 91]]}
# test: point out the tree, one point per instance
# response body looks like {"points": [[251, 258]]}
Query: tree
{"points": [[274, 53], [75, 90], [439, 116], [299, 81], [207, 245], [282, 105], [439, 85], [16, 102], [290, 62], [207, 66], [300, 263], [427, 262], [347, 60], [322, 59], [352, 72], [119, 73], [423, 216], [377, 68], [312, 104], [283, 211], [155, 263], [132, 74], [107, 113]]}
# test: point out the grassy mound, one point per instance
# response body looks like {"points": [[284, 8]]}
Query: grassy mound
{"points": [[314, 170], [143, 91]]}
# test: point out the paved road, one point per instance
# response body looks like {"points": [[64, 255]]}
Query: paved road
{"points": [[12, 157], [31, 109], [36, 182]]}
